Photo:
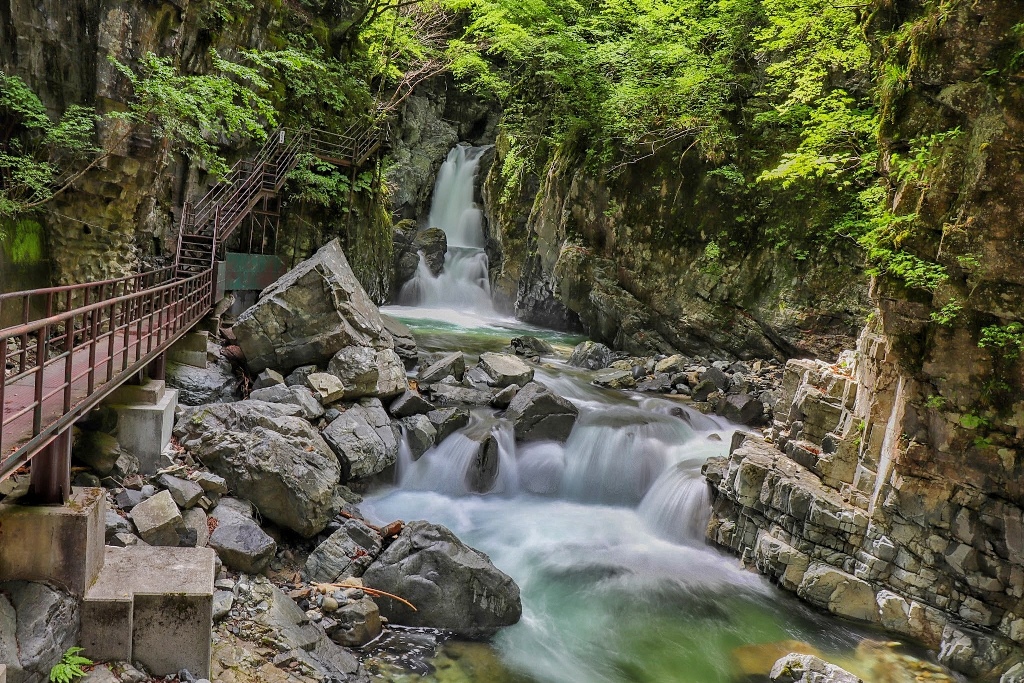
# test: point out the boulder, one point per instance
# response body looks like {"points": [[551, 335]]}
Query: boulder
{"points": [[38, 623], [615, 379], [743, 409], [453, 364], [325, 387], [239, 541], [672, 364], [590, 355], [540, 415], [267, 378], [405, 343], [405, 258], [447, 421], [296, 396], [452, 394], [453, 586], [797, 668], [531, 347], [346, 552], [368, 372], [356, 623], [410, 403], [197, 523], [838, 592], [482, 472], [504, 369], [268, 456], [433, 244], [717, 377], [159, 522], [308, 315], [420, 434], [184, 492], [364, 438], [103, 454], [503, 398], [216, 383], [297, 377]]}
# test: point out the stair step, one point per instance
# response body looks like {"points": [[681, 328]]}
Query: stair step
{"points": [[153, 605]]}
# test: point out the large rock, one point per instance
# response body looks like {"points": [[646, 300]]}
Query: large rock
{"points": [[453, 586], [38, 624], [420, 434], [355, 624], [453, 364], [541, 415], [453, 394], [368, 372], [405, 258], [308, 315], [295, 395], [268, 456], [590, 355], [405, 343], [504, 369], [104, 454], [838, 592], [346, 552], [364, 438], [433, 244], [797, 668], [239, 541], [159, 521], [447, 421], [410, 403], [216, 383]]}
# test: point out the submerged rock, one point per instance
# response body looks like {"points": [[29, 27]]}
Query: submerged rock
{"points": [[268, 456], [540, 415], [453, 586], [308, 315], [796, 668]]}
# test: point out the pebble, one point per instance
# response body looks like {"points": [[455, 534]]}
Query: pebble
{"points": [[329, 604]]}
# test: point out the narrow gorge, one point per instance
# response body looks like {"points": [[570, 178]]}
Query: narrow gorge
{"points": [[676, 341]]}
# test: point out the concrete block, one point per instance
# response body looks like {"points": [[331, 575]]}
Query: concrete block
{"points": [[3, 673], [171, 593], [190, 350], [144, 430], [148, 393], [62, 544], [106, 634]]}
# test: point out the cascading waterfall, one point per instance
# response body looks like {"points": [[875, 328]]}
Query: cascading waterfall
{"points": [[463, 282]]}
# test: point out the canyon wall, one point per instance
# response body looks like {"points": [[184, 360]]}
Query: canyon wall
{"points": [[891, 486]]}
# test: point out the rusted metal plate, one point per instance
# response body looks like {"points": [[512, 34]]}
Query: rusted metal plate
{"points": [[251, 271]]}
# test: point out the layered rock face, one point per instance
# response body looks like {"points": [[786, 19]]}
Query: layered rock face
{"points": [[626, 259]]}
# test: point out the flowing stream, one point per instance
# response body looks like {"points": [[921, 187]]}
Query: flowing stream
{"points": [[604, 534]]}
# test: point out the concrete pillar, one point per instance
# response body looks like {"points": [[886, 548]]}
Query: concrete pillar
{"points": [[62, 544], [145, 420], [190, 350]]}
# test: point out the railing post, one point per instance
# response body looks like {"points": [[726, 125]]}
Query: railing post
{"points": [[50, 480]]}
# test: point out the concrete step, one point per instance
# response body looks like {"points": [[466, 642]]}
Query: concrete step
{"points": [[58, 543], [145, 420], [152, 605]]}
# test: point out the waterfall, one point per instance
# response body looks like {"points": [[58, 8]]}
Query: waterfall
{"points": [[463, 282], [889, 442]]}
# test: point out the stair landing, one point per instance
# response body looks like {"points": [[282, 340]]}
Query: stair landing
{"points": [[152, 605]]}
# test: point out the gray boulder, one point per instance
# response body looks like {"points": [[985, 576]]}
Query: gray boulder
{"points": [[216, 383], [298, 376], [447, 421], [405, 343], [541, 415], [482, 472], [159, 521], [368, 372], [184, 492], [308, 315], [452, 394], [346, 552], [38, 624], [410, 403], [797, 668], [103, 454], [405, 257], [267, 378], [433, 244], [453, 586], [296, 396], [530, 346], [238, 540], [356, 623], [504, 369], [268, 456], [420, 434], [364, 438], [590, 355], [743, 409], [615, 379], [325, 387], [453, 364]]}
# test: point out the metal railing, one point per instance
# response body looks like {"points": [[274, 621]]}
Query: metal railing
{"points": [[58, 367]]}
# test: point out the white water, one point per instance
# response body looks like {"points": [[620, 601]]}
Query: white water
{"points": [[463, 283]]}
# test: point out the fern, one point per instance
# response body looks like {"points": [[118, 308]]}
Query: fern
{"points": [[69, 668]]}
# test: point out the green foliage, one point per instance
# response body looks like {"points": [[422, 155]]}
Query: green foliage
{"points": [[1007, 339], [195, 111], [948, 314], [69, 668], [972, 421]]}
